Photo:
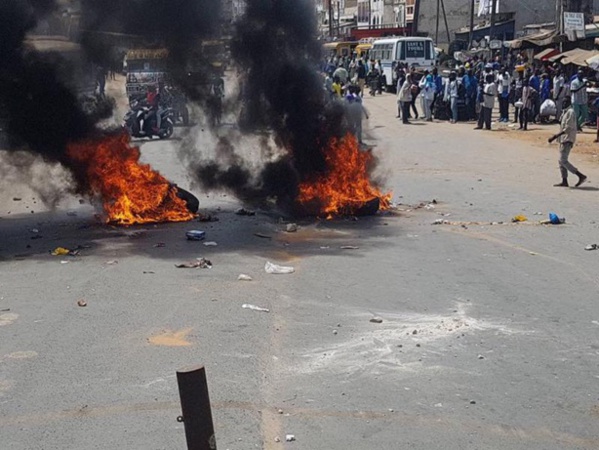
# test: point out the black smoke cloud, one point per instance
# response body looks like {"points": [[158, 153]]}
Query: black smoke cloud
{"points": [[40, 111], [38, 101], [276, 49], [178, 25]]}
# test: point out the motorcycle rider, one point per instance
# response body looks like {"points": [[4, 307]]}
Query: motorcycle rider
{"points": [[153, 104]]}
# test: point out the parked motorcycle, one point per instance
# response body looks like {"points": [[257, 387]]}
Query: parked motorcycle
{"points": [[176, 100], [138, 113]]}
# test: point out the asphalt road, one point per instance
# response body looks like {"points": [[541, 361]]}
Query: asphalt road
{"points": [[489, 339]]}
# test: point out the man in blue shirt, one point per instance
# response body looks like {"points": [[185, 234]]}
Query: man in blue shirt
{"points": [[535, 83], [471, 85], [438, 82]]}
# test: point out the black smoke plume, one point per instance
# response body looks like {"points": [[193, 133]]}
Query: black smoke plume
{"points": [[40, 111], [276, 49], [177, 25]]}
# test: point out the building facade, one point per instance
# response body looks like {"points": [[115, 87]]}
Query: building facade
{"points": [[521, 12]]}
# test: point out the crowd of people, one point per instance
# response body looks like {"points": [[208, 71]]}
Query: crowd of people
{"points": [[537, 92]]}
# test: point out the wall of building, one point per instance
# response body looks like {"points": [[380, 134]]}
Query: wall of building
{"points": [[458, 14]]}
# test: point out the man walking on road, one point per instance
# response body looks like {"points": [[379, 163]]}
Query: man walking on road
{"points": [[567, 138]]}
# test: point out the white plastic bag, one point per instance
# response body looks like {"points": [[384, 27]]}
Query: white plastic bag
{"points": [[548, 108], [273, 268]]}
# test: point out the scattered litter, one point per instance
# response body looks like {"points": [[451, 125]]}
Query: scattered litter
{"points": [[538, 213], [480, 357], [244, 277], [195, 235], [438, 405], [473, 402], [554, 219], [325, 247], [61, 251], [519, 218], [35, 230], [277, 439], [159, 245], [440, 222], [5, 310], [280, 411], [291, 228], [245, 212], [429, 206], [349, 247], [37, 236], [16, 199], [81, 303], [262, 235], [207, 218], [210, 244], [202, 263], [592, 247], [148, 271], [255, 308], [64, 262], [276, 269], [112, 262], [376, 320], [289, 437]]}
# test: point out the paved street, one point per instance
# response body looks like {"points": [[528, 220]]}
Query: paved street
{"points": [[489, 339]]}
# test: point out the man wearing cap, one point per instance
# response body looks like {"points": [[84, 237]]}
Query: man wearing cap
{"points": [[567, 138]]}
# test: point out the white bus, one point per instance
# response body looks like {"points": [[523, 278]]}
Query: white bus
{"points": [[413, 51]]}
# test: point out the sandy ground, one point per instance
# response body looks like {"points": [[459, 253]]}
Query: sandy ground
{"points": [[489, 336]]}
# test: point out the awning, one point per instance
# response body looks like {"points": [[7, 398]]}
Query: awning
{"points": [[593, 62], [577, 57], [540, 40], [546, 54]]}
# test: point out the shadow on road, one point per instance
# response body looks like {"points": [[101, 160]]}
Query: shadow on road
{"points": [[34, 237]]}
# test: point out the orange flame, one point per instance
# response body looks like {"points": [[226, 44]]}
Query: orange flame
{"points": [[131, 192], [346, 187]]}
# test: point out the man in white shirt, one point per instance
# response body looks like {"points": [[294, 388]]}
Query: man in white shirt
{"points": [[580, 98], [567, 138], [489, 94], [559, 93], [503, 91]]}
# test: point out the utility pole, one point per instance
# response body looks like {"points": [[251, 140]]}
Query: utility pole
{"points": [[416, 16], [471, 36], [331, 18], [437, 25], [445, 19], [492, 30], [369, 14]]}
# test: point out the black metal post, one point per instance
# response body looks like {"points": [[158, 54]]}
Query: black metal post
{"points": [[195, 405]]}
